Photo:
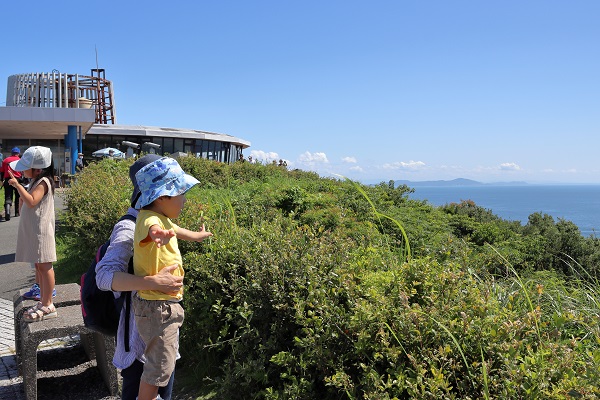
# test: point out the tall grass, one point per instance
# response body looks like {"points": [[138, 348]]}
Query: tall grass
{"points": [[379, 215]]}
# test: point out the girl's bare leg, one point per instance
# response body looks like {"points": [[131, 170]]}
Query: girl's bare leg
{"points": [[46, 282]]}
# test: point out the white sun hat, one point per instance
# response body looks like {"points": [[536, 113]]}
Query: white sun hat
{"points": [[37, 157]]}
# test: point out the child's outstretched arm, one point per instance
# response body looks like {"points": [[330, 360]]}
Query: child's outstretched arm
{"points": [[195, 236], [158, 235]]}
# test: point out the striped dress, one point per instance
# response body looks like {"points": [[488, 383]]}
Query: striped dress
{"points": [[35, 240]]}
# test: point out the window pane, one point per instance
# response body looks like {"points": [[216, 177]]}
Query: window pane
{"points": [[167, 146], [178, 146]]}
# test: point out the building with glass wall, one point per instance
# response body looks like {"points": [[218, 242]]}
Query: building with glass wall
{"points": [[74, 114], [209, 145]]}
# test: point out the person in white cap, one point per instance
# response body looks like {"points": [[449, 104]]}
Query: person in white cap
{"points": [[35, 240], [79, 163]]}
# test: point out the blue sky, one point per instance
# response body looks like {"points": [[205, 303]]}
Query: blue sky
{"points": [[378, 90]]}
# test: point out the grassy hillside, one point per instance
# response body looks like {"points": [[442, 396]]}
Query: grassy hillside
{"points": [[317, 288]]}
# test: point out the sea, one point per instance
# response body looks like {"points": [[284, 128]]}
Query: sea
{"points": [[579, 204]]}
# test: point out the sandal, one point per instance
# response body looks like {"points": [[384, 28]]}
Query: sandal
{"points": [[33, 309], [40, 313]]}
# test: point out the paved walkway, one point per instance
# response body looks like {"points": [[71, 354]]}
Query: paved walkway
{"points": [[10, 382], [15, 276]]}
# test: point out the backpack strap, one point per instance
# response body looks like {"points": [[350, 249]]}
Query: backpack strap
{"points": [[128, 293], [128, 308]]}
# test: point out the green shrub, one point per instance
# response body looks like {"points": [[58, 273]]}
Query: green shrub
{"points": [[97, 198], [306, 292]]}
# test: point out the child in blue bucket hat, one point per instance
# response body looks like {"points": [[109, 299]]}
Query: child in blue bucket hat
{"points": [[159, 316]]}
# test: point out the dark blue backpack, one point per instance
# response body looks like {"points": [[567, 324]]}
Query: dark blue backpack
{"points": [[100, 310]]}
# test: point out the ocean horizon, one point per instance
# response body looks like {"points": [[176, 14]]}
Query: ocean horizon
{"points": [[579, 204]]}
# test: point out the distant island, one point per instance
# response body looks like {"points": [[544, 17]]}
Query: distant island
{"points": [[456, 182]]}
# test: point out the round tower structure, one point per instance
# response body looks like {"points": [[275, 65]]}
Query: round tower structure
{"points": [[62, 90], [74, 114]]}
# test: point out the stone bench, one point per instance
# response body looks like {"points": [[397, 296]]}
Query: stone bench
{"points": [[66, 295], [69, 322]]}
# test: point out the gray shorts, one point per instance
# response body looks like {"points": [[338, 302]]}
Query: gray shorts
{"points": [[158, 322]]}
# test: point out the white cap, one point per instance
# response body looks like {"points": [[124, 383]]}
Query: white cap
{"points": [[37, 157]]}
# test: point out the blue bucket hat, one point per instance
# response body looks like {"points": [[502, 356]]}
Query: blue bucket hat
{"points": [[135, 167], [16, 150], [163, 177]]}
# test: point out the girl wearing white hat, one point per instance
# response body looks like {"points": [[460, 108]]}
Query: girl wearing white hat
{"points": [[35, 241]]}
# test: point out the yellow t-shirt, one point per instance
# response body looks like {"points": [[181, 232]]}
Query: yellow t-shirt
{"points": [[148, 259]]}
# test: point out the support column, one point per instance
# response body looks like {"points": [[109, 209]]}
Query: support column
{"points": [[71, 149], [80, 141]]}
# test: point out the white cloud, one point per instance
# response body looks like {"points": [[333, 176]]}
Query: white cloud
{"points": [[509, 167], [356, 168], [411, 165], [264, 156], [313, 158], [350, 160]]}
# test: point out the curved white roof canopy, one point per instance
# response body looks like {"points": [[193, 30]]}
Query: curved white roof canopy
{"points": [[153, 131], [43, 122]]}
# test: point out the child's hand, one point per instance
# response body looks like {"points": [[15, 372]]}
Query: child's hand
{"points": [[160, 236], [12, 181], [204, 233]]}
